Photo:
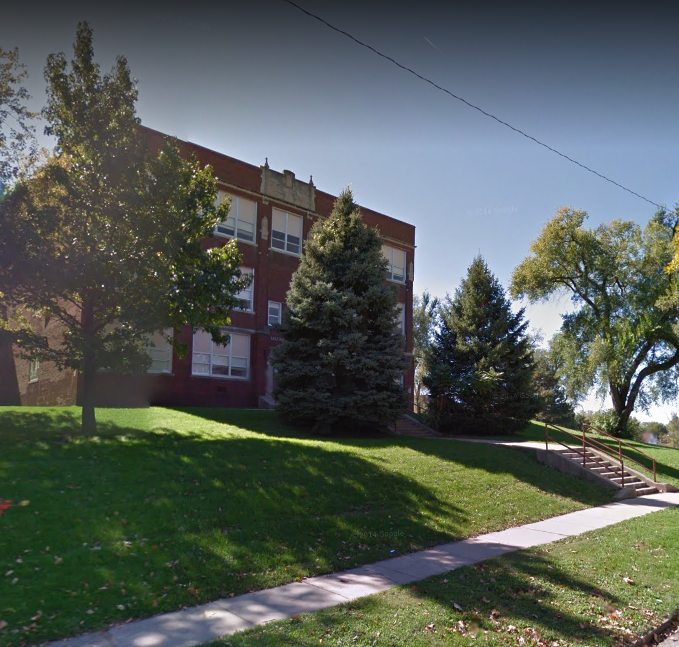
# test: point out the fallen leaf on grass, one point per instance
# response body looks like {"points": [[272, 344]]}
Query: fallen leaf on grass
{"points": [[457, 607]]}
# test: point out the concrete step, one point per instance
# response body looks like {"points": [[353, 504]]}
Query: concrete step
{"points": [[588, 459], [629, 482], [642, 491], [406, 426], [610, 470], [627, 476]]}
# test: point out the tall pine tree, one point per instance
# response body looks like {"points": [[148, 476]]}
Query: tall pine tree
{"points": [[480, 363], [340, 365]]}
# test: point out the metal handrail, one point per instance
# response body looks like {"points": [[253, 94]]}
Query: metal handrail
{"points": [[586, 425], [590, 442], [582, 453]]}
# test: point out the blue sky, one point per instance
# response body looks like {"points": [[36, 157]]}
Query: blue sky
{"points": [[256, 80]]}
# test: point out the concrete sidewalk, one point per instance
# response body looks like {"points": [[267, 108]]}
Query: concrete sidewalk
{"points": [[223, 617]]}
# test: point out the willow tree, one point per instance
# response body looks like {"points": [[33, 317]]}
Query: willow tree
{"points": [[106, 238], [622, 338]]}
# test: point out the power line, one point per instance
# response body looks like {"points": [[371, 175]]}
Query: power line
{"points": [[471, 105]]}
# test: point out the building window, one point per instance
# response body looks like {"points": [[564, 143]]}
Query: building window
{"points": [[210, 359], [401, 319], [275, 310], [396, 270], [247, 296], [160, 351], [286, 232], [33, 370], [242, 218]]}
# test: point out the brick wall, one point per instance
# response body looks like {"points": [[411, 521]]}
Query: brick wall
{"points": [[273, 270]]}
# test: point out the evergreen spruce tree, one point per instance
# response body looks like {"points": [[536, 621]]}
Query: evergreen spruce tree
{"points": [[340, 364], [480, 363]]}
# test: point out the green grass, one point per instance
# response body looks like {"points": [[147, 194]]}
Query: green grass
{"points": [[168, 508], [666, 458], [607, 587]]}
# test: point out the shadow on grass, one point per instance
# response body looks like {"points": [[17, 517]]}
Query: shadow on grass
{"points": [[25, 425], [489, 458], [140, 522], [527, 590], [517, 599], [259, 421]]}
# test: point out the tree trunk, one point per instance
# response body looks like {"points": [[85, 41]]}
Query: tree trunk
{"points": [[621, 425], [9, 385], [623, 407], [89, 422]]}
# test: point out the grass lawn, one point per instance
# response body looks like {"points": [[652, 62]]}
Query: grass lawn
{"points": [[666, 458], [169, 508], [607, 587]]}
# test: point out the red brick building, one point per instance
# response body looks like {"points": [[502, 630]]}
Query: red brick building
{"points": [[271, 215]]}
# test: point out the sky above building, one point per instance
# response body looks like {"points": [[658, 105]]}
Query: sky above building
{"points": [[264, 80]]}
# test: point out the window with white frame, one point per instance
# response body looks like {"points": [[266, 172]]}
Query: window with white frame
{"points": [[210, 359], [160, 351], [33, 370], [247, 296], [242, 218], [396, 270], [286, 232], [401, 319], [275, 311]]}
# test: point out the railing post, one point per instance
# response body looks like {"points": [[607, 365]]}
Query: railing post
{"points": [[622, 471], [546, 438], [655, 479], [584, 447]]}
